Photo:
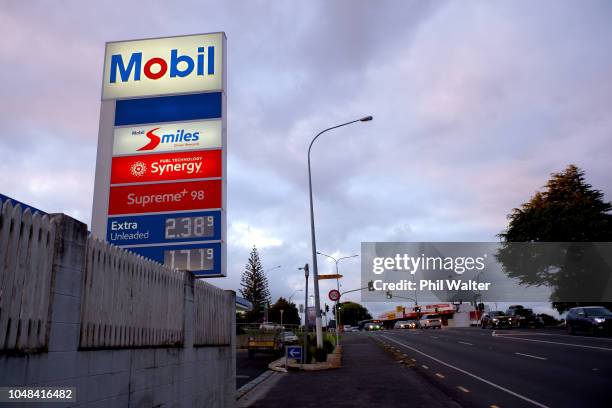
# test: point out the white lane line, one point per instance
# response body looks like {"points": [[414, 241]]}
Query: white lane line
{"points": [[434, 337], [424, 366], [529, 355], [492, 384], [439, 375], [466, 343], [553, 342], [463, 389]]}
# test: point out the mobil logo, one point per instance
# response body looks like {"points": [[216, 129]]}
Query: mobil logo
{"points": [[123, 68], [164, 66], [167, 166], [170, 137]]}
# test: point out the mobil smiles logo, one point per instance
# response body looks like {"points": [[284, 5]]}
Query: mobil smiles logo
{"points": [[171, 137], [177, 137]]}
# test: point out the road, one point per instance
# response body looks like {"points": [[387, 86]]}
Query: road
{"points": [[248, 369], [510, 368]]}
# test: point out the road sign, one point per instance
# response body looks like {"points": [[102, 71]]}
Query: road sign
{"points": [[294, 352], [334, 295], [330, 276]]}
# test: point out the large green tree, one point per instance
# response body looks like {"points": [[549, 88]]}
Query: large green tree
{"points": [[290, 312], [568, 210], [255, 286], [351, 313]]}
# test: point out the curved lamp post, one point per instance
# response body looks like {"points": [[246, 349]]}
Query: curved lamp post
{"points": [[315, 271], [338, 288]]}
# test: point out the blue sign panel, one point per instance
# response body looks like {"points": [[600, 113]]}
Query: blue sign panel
{"points": [[164, 228], [203, 259], [294, 352], [168, 109]]}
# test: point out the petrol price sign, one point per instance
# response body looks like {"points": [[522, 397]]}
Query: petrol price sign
{"points": [[161, 168]]}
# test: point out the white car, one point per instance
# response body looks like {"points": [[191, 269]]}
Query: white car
{"points": [[431, 321]]}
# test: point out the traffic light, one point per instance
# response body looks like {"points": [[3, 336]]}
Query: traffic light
{"points": [[417, 309], [371, 286], [326, 308], [389, 295]]}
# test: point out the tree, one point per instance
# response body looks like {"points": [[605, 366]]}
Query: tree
{"points": [[290, 312], [568, 211], [255, 286], [351, 313]]}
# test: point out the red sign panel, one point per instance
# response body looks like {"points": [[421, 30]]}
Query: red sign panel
{"points": [[168, 166], [334, 295], [146, 198]]}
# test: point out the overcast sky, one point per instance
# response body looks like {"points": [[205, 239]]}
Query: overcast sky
{"points": [[475, 103]]}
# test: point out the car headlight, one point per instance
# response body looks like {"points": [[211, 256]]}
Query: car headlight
{"points": [[599, 319], [495, 320]]}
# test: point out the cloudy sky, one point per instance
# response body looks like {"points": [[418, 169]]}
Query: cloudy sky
{"points": [[475, 103]]}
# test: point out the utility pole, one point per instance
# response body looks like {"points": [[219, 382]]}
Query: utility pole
{"points": [[304, 359]]}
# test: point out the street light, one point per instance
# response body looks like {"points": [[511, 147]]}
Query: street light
{"points": [[274, 267], [338, 288], [315, 271], [293, 294]]}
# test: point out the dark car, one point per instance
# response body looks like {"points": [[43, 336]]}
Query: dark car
{"points": [[496, 320], [372, 327], [590, 319], [521, 317]]}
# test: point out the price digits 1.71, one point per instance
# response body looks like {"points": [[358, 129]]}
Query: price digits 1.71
{"points": [[196, 259]]}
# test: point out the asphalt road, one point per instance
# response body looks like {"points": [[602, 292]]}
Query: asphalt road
{"points": [[511, 368], [248, 369]]}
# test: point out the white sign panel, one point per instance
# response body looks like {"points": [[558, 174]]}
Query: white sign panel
{"points": [[163, 66], [167, 137]]}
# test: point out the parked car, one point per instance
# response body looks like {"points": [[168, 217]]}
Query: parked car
{"points": [[431, 321], [495, 320], [371, 327], [591, 319], [289, 337], [406, 324]]}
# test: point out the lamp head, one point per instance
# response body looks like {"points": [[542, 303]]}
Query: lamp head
{"points": [[366, 119]]}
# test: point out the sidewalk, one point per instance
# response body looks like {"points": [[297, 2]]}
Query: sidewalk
{"points": [[369, 377]]}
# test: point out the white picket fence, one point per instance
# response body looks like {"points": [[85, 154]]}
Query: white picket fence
{"points": [[129, 301], [26, 263], [213, 329]]}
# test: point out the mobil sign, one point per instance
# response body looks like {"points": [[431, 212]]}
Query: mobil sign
{"points": [[164, 66], [161, 167]]}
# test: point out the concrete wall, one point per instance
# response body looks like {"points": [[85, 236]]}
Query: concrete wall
{"points": [[181, 376]]}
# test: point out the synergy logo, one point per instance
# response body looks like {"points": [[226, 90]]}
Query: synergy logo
{"points": [[166, 166], [166, 65], [138, 169], [172, 137]]}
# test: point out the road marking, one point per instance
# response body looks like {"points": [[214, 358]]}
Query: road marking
{"points": [[243, 376], [529, 355], [434, 337], [492, 384], [552, 342], [466, 343], [440, 375], [463, 389], [424, 366], [413, 359], [493, 406]]}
